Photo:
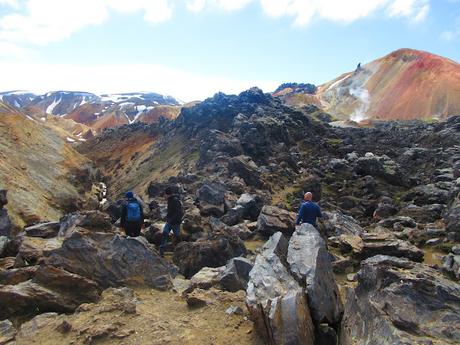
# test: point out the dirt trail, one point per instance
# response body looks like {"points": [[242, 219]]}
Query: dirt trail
{"points": [[159, 318]]}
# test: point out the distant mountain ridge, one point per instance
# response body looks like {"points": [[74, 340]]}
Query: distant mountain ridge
{"points": [[405, 84], [97, 111]]}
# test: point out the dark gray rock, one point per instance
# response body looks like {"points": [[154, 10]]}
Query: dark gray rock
{"points": [[234, 216], [91, 220], [336, 223], [50, 290], [391, 247], [43, 230], [245, 168], [423, 214], [252, 205], [111, 260], [451, 265], [310, 264], [273, 219], [7, 332], [401, 302], [452, 221], [236, 275], [5, 223], [213, 251], [211, 198], [242, 231], [379, 166], [275, 300], [427, 194], [403, 220]]}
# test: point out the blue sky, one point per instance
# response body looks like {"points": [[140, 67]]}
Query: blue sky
{"points": [[194, 48]]}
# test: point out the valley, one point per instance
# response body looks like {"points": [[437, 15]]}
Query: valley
{"points": [[381, 267]]}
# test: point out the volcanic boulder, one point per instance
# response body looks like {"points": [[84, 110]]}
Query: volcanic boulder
{"points": [[5, 222], [211, 198], [51, 289], [310, 264], [273, 219], [275, 300], [292, 290], [111, 260], [214, 251], [401, 302]]}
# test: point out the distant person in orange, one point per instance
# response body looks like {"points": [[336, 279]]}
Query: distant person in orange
{"points": [[309, 211]]}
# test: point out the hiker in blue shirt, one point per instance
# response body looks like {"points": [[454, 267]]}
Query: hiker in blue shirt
{"points": [[132, 216], [309, 211]]}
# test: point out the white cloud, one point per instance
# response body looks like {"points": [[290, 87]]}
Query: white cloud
{"points": [[454, 33], [226, 5], [40, 22], [417, 10], [44, 21], [344, 11], [11, 3], [121, 78]]}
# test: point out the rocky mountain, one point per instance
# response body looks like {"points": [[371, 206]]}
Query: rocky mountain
{"points": [[46, 177], [97, 112], [380, 267], [406, 84]]}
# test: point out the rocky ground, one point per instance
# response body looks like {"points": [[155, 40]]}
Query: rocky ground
{"points": [[382, 267]]}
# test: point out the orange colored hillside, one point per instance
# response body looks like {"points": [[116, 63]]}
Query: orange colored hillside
{"points": [[406, 84]]}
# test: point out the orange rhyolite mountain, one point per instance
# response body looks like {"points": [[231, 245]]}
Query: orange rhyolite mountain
{"points": [[406, 84]]}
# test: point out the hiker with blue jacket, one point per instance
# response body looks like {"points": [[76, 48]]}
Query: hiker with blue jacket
{"points": [[309, 211], [173, 218], [132, 216]]}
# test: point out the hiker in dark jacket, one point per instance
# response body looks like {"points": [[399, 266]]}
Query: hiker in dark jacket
{"points": [[173, 219], [132, 216], [309, 211]]}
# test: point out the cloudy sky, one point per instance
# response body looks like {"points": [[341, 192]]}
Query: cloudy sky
{"points": [[193, 48]]}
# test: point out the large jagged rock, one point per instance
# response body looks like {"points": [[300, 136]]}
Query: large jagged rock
{"points": [[379, 166], [391, 247], [310, 264], [5, 222], [214, 251], [43, 230], [33, 249], [111, 260], [401, 302], [336, 223], [423, 214], [252, 206], [245, 168], [211, 198], [427, 194], [273, 219], [7, 332], [50, 289], [90, 220], [235, 276], [275, 300], [452, 220]]}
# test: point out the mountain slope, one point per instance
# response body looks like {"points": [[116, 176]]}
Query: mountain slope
{"points": [[405, 84], [40, 169]]}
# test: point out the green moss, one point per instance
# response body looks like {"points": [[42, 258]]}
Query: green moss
{"points": [[334, 142]]}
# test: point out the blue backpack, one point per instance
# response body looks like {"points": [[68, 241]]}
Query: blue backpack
{"points": [[133, 212]]}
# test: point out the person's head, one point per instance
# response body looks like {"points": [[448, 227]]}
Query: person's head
{"points": [[129, 195], [308, 196]]}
